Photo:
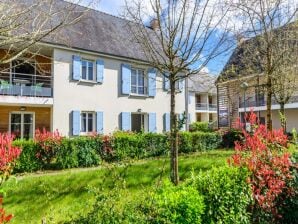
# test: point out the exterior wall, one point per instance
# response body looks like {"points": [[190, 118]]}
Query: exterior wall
{"points": [[72, 95], [291, 116], [42, 116]]}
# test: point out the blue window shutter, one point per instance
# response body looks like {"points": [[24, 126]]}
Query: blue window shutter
{"points": [[166, 120], [99, 70], [152, 122], [152, 82], [76, 67], [75, 122], [99, 122], [125, 78], [125, 121], [166, 82]]}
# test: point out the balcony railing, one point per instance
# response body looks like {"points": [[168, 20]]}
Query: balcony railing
{"points": [[253, 103], [17, 84], [206, 106]]}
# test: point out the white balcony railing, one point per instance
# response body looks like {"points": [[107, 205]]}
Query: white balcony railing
{"points": [[206, 107]]}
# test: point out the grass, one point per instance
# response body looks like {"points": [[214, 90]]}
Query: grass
{"points": [[60, 195]]}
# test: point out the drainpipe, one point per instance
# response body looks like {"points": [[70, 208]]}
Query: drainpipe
{"points": [[186, 105]]}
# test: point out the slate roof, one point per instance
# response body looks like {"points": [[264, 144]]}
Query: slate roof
{"points": [[100, 32], [243, 62], [203, 83]]}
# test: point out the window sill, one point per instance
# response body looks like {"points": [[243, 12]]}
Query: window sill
{"points": [[87, 133], [87, 81], [138, 95]]}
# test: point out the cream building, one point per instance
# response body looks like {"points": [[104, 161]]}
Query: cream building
{"points": [[203, 98], [98, 82]]}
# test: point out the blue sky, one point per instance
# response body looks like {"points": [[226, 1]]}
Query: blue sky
{"points": [[116, 7]]}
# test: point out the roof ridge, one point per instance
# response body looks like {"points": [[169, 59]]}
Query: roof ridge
{"points": [[97, 10]]}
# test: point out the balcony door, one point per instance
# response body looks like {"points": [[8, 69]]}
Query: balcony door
{"points": [[21, 124]]}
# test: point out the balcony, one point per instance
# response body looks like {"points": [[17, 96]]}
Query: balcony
{"points": [[262, 103], [206, 107], [28, 85]]}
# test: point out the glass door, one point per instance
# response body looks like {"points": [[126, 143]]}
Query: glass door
{"points": [[22, 124]]}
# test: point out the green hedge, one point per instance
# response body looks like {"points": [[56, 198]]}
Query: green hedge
{"points": [[199, 126], [198, 141], [88, 151]]}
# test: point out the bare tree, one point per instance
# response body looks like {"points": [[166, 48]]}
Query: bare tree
{"points": [[285, 77], [185, 36], [262, 21], [26, 24]]}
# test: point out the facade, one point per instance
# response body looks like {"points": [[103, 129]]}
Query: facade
{"points": [[242, 85], [203, 98], [100, 83]]}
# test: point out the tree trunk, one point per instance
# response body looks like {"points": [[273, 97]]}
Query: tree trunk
{"points": [[269, 103], [173, 137], [283, 121]]}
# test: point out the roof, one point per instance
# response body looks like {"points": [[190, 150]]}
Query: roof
{"points": [[246, 60], [99, 32], [202, 83]]}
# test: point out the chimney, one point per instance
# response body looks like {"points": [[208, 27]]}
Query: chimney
{"points": [[240, 39], [154, 24]]}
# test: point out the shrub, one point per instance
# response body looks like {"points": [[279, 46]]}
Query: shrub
{"points": [[226, 193], [172, 204], [263, 153], [288, 203], [8, 156], [67, 155], [230, 137], [88, 149], [198, 141], [136, 145], [27, 162], [199, 126], [3, 217], [48, 144]]}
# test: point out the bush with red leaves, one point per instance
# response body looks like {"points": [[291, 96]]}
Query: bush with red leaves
{"points": [[264, 153], [3, 217], [48, 144], [8, 156]]}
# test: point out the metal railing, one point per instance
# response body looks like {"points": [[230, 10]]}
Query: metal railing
{"points": [[206, 106], [18, 84], [254, 103]]}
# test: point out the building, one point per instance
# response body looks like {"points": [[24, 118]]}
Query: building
{"points": [[241, 88], [203, 98], [99, 82]]}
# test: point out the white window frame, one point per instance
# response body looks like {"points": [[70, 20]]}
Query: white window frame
{"points": [[87, 70], [22, 121], [145, 86], [87, 117]]}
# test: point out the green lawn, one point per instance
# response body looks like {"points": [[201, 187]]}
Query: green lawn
{"points": [[60, 195]]}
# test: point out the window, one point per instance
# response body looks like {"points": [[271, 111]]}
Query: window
{"points": [[22, 124], [88, 70], [138, 82], [87, 122]]}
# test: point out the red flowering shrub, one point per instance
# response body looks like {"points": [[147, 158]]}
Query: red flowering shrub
{"points": [[48, 143], [8, 156], [263, 153], [3, 217]]}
